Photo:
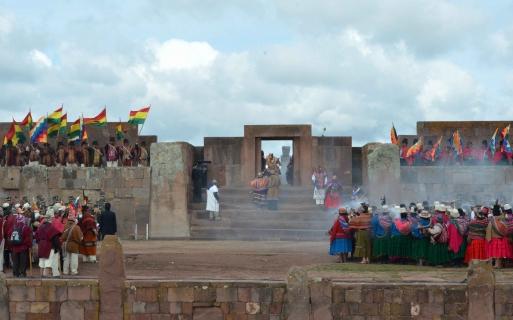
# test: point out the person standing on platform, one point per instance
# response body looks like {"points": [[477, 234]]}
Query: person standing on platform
{"points": [[457, 230], [48, 245], [21, 242], [421, 240], [88, 227], [107, 222], [274, 189], [71, 239], [319, 180], [111, 153], [498, 245], [213, 201], [333, 191], [400, 237], [341, 238], [476, 249], [380, 230]]}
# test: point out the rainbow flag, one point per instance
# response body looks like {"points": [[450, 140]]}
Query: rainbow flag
{"points": [[493, 141], [416, 148], [14, 134], [39, 132], [53, 130], [138, 116], [505, 132], [435, 152], [99, 120], [457, 143], [84, 135], [64, 124], [119, 132], [393, 136], [74, 133], [27, 121], [506, 147], [55, 117]]}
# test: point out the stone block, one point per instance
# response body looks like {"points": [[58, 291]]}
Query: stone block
{"points": [[111, 279], [321, 299], [71, 310], [175, 307], [12, 178], [146, 294], [481, 286], [184, 294], [252, 307], [226, 294], [353, 295], [298, 295], [79, 293], [207, 314], [21, 293], [39, 307], [244, 294], [204, 294], [383, 171], [58, 294], [278, 294]]}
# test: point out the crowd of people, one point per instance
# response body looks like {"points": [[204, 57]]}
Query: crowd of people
{"points": [[430, 154], [53, 237], [74, 154], [419, 233]]}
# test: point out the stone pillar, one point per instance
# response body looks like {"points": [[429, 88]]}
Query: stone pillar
{"points": [[111, 279], [481, 289], [4, 298], [298, 295], [383, 173], [171, 174], [320, 297]]}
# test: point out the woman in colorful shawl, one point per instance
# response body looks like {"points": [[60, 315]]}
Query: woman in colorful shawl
{"points": [[400, 238], [88, 227], [341, 238], [438, 253], [476, 248], [420, 243], [333, 190], [361, 224], [457, 232], [498, 245], [380, 227], [319, 180]]}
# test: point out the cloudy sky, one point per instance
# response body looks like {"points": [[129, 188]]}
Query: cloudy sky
{"points": [[208, 67]]}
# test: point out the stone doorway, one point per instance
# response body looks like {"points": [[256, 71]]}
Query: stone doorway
{"points": [[301, 137], [283, 150]]}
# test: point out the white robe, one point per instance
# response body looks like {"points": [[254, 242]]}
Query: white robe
{"points": [[212, 203]]}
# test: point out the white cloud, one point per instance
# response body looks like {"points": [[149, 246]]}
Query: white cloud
{"points": [[177, 54], [40, 58]]}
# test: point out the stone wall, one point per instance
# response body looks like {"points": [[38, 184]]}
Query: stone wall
{"points": [[127, 189], [225, 156], [334, 154], [464, 184]]}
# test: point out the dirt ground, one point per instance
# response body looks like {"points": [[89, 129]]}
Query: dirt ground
{"points": [[261, 260]]}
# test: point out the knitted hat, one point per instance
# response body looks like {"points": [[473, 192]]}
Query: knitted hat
{"points": [[425, 214]]}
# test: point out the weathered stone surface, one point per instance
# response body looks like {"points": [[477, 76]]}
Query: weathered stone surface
{"points": [[298, 295], [320, 297], [171, 177], [71, 310], [11, 179], [384, 173], [207, 314], [481, 287], [4, 298], [111, 279]]}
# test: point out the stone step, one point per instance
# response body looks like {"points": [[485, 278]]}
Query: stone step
{"points": [[262, 223], [270, 215], [211, 233]]}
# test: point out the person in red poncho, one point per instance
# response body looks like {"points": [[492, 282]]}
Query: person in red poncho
{"points": [[498, 245], [47, 238], [88, 227], [21, 241], [341, 237], [333, 194], [476, 249], [8, 227]]}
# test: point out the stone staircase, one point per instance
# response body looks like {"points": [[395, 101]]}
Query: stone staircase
{"points": [[297, 218]]}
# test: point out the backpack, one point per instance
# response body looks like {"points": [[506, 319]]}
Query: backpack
{"points": [[17, 236]]}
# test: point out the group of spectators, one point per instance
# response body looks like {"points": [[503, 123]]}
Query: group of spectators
{"points": [[470, 155], [75, 154], [53, 236], [436, 235]]}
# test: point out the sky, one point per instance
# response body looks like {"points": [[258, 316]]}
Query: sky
{"points": [[208, 67]]}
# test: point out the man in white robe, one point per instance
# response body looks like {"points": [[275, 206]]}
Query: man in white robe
{"points": [[213, 201]]}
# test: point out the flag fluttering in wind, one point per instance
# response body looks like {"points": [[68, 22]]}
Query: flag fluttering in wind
{"points": [[14, 134], [506, 147], [99, 120], [75, 130], [27, 121], [393, 136], [416, 148], [55, 117], [39, 132], [119, 132], [457, 143], [63, 128], [138, 116], [493, 141], [435, 151], [84, 135]]}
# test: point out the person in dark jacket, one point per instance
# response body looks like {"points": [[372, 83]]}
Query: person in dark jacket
{"points": [[21, 241], [107, 221]]}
